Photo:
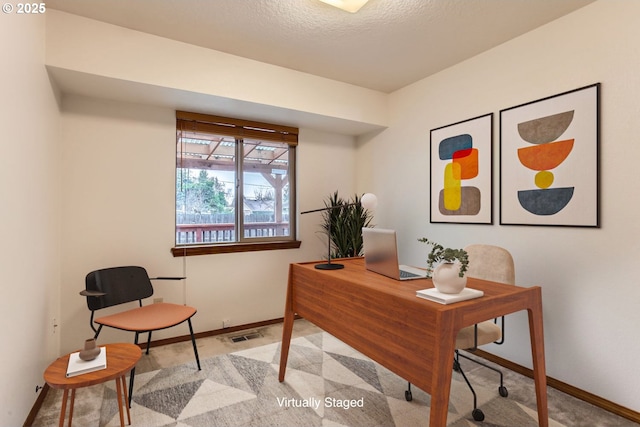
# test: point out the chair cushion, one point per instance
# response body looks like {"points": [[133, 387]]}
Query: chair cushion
{"points": [[488, 332], [150, 317]]}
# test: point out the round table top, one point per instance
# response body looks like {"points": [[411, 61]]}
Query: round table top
{"points": [[121, 358]]}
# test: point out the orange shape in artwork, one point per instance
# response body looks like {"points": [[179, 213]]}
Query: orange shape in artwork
{"points": [[545, 156], [468, 161]]}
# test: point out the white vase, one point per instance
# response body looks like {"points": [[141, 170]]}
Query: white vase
{"points": [[446, 278]]}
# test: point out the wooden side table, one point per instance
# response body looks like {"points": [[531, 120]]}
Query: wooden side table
{"points": [[121, 358]]}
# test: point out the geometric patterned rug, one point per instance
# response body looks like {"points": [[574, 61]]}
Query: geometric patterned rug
{"points": [[327, 384]]}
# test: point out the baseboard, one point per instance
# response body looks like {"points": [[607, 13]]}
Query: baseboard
{"points": [[36, 406], [213, 332], [585, 396]]}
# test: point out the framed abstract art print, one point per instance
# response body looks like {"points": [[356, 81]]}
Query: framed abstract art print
{"points": [[549, 172], [461, 172]]}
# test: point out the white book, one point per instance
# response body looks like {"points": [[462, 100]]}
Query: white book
{"points": [[432, 294], [78, 366]]}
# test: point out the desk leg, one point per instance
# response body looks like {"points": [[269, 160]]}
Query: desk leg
{"points": [[287, 329], [63, 410], [120, 401], [441, 382], [537, 354]]}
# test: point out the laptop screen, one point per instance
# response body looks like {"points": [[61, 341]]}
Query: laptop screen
{"points": [[381, 251], [381, 255]]}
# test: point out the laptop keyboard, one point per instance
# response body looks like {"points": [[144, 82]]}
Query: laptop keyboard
{"points": [[406, 274]]}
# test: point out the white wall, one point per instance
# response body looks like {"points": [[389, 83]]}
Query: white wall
{"points": [[29, 188], [115, 59], [85, 198], [118, 163], [589, 277]]}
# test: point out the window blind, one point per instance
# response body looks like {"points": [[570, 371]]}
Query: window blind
{"points": [[237, 128]]}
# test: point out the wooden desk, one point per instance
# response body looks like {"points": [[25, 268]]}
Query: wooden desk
{"points": [[415, 338], [121, 358]]}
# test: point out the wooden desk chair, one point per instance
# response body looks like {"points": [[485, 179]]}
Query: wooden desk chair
{"points": [[492, 263], [119, 285]]}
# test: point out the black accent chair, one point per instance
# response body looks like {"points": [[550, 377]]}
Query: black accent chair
{"points": [[119, 285]]}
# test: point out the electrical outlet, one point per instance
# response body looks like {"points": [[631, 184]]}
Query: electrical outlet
{"points": [[157, 300], [226, 323]]}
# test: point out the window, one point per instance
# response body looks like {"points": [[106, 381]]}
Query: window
{"points": [[235, 185]]}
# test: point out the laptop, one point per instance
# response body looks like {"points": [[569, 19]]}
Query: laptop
{"points": [[381, 255]]}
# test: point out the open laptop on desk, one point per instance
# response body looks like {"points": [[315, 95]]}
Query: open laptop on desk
{"points": [[381, 255]]}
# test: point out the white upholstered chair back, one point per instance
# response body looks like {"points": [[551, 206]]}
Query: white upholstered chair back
{"points": [[490, 262]]}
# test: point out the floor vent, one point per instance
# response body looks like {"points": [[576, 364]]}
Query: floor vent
{"points": [[246, 337]]}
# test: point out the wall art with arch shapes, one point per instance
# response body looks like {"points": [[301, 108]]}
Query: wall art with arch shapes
{"points": [[549, 167]]}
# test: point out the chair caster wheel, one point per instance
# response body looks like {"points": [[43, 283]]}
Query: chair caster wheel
{"points": [[408, 396], [503, 391], [478, 415]]}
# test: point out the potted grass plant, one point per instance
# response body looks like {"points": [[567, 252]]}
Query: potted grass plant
{"points": [[345, 225]]}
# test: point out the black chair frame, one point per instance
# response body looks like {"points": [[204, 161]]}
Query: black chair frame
{"points": [[477, 414]]}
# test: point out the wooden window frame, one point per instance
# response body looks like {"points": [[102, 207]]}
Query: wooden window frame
{"points": [[241, 129]]}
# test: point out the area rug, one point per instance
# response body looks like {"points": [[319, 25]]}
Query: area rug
{"points": [[327, 384]]}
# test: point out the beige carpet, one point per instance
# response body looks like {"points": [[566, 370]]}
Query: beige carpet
{"points": [[327, 384]]}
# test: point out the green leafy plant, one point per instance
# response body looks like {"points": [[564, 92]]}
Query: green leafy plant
{"points": [[346, 225], [439, 253]]}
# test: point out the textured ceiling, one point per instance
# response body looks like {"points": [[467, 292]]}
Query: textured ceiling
{"points": [[388, 44]]}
